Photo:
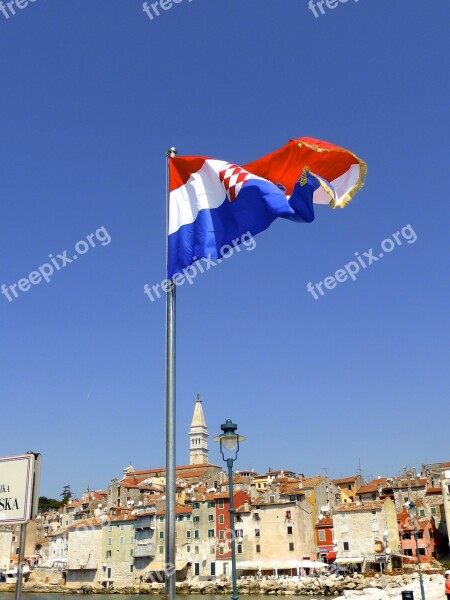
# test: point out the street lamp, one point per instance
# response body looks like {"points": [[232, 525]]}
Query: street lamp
{"points": [[412, 511], [229, 447]]}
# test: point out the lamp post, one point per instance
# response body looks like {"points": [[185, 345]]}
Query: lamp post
{"points": [[229, 447], [412, 511]]}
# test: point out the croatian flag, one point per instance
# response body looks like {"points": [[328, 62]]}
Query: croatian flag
{"points": [[213, 203]]}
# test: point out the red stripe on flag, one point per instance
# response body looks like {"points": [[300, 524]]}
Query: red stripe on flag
{"points": [[286, 164], [181, 168]]}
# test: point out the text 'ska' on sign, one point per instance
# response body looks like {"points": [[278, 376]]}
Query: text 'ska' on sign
{"points": [[16, 488]]}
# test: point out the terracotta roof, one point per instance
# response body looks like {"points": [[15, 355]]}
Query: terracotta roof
{"points": [[372, 486], [58, 532], [125, 517], [95, 522], [163, 470], [405, 483], [325, 522], [405, 521], [360, 506], [345, 480], [180, 510], [310, 482], [434, 491]]}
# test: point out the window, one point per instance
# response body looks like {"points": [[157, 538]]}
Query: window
{"points": [[290, 530], [406, 535], [221, 550], [212, 504], [132, 539], [161, 519], [407, 551], [220, 503], [272, 499], [374, 496], [131, 552], [196, 534], [221, 535], [180, 517], [433, 510], [422, 512], [420, 535], [211, 533], [221, 519], [110, 527], [431, 534], [288, 514], [108, 553], [239, 548], [258, 548], [256, 516], [308, 493], [292, 498], [196, 505], [196, 519], [188, 517], [291, 546], [211, 518], [321, 535], [257, 532], [161, 535], [212, 549], [188, 534], [122, 527], [346, 546], [350, 487], [196, 550], [131, 568], [161, 550], [121, 539], [239, 533], [109, 541], [422, 552]]}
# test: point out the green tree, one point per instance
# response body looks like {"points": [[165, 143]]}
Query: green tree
{"points": [[47, 504], [66, 494]]}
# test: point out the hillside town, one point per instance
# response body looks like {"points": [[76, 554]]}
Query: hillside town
{"points": [[286, 524]]}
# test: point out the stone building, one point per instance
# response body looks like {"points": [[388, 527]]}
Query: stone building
{"points": [[359, 526], [84, 554], [349, 487], [274, 532], [118, 533], [5, 547]]}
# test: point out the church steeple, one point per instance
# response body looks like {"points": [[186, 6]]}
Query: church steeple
{"points": [[198, 436]]}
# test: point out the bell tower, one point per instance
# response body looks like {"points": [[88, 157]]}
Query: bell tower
{"points": [[198, 436]]}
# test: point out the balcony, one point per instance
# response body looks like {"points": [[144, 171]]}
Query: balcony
{"points": [[145, 523], [81, 564], [143, 550]]}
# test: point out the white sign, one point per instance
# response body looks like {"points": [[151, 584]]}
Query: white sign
{"points": [[16, 488]]}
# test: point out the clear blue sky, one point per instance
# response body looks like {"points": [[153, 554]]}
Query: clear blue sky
{"points": [[93, 93]]}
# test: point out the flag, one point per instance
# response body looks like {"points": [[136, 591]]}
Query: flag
{"points": [[213, 203]]}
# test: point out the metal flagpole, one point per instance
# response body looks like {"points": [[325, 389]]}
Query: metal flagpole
{"points": [[170, 567]]}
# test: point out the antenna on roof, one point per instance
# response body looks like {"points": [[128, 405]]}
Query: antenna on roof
{"points": [[359, 468]]}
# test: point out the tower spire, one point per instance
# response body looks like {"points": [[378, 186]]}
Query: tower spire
{"points": [[198, 436]]}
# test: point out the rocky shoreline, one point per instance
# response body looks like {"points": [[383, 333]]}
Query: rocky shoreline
{"points": [[356, 587]]}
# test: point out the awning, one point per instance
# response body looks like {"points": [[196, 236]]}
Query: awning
{"points": [[331, 555], [266, 565], [160, 565], [350, 560]]}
